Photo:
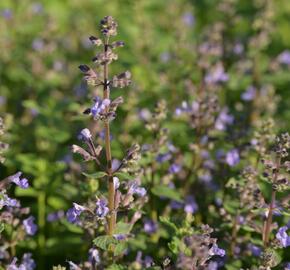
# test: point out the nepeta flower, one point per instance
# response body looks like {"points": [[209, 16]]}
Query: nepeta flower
{"points": [[102, 210], [6, 201], [249, 94], [190, 205], [27, 262], [85, 135], [29, 225], [23, 183], [216, 251], [99, 107], [94, 256], [284, 58], [116, 182], [216, 75], [163, 157], [255, 250], [135, 189], [188, 18], [174, 168], [55, 216], [232, 157], [223, 120], [74, 212], [150, 226], [283, 237]]}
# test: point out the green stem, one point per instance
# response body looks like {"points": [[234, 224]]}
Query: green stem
{"points": [[41, 226]]}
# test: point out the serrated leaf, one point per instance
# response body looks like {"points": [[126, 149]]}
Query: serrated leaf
{"points": [[105, 241], [123, 228], [167, 222], [166, 192], [96, 175], [124, 176], [120, 248]]}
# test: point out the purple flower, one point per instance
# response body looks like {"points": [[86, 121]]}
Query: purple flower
{"points": [[73, 266], [190, 206], [255, 250], [284, 58], [287, 266], [216, 75], [6, 201], [94, 256], [55, 216], [176, 205], [116, 182], [7, 13], [174, 168], [188, 19], [134, 188], [85, 135], [283, 237], [99, 107], [223, 120], [29, 225], [101, 210], [37, 8], [165, 57], [249, 94], [74, 212], [232, 157], [238, 49], [120, 236], [23, 183], [150, 226], [163, 157], [38, 44], [212, 265], [27, 262], [216, 251]]}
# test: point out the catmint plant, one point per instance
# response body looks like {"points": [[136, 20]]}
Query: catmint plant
{"points": [[100, 213]]}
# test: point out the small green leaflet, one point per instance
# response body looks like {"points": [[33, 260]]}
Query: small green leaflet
{"points": [[167, 192], [105, 241], [96, 175]]}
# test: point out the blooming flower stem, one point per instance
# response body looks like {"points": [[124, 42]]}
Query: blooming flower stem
{"points": [[268, 222], [111, 198]]}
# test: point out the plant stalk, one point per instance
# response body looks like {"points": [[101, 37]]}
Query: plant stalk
{"points": [[111, 197]]}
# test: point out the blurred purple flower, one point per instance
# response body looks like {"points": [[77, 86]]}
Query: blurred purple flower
{"points": [[174, 168], [6, 201], [284, 58], [249, 94], [216, 251], [134, 188], [102, 210], [255, 250], [283, 237], [190, 205], [188, 19], [94, 256], [120, 237], [38, 44], [223, 120], [27, 263], [232, 157], [23, 183], [29, 225], [7, 13], [216, 75], [165, 57], [163, 157], [85, 135], [150, 226], [55, 216], [176, 205], [238, 49]]}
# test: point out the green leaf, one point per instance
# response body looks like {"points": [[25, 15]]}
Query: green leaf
{"points": [[124, 176], [164, 191], [105, 241], [123, 228], [120, 248], [2, 227], [167, 222], [96, 175], [116, 267], [30, 192]]}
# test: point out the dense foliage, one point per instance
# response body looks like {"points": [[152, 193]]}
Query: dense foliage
{"points": [[169, 150]]}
